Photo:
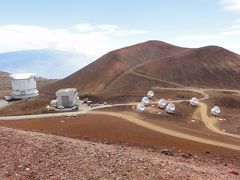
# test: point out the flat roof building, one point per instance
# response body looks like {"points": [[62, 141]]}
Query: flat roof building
{"points": [[67, 97]]}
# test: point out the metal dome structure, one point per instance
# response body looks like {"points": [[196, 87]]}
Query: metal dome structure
{"points": [[170, 108], [140, 107], [215, 111], [145, 100], [194, 101], [162, 103], [150, 94]]}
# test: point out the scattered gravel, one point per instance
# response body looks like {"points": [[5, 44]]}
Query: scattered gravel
{"points": [[31, 155]]}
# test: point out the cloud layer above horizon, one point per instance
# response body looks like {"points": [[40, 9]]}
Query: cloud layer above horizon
{"points": [[88, 39]]}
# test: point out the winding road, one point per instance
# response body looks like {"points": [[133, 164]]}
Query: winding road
{"points": [[201, 112]]}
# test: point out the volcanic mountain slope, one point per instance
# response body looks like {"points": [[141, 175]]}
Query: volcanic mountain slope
{"points": [[154, 63], [206, 67], [95, 77]]}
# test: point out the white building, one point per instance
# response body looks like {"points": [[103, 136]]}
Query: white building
{"points": [[24, 86], [67, 97]]}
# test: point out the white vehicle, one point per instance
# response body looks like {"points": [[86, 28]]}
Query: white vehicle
{"points": [[170, 108], [162, 103]]}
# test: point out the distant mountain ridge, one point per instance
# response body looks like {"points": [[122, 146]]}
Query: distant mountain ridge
{"points": [[47, 63]]}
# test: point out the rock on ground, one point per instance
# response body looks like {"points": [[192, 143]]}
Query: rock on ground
{"points": [[30, 155]]}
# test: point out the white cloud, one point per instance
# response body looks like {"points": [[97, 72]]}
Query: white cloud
{"points": [[233, 5], [84, 27], [89, 39], [201, 37], [228, 38], [107, 27]]}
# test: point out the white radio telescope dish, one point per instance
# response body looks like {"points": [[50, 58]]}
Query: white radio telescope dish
{"points": [[140, 107], [150, 94], [170, 108], [215, 111], [145, 100], [194, 101], [162, 103]]}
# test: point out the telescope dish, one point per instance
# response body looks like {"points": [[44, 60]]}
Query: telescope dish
{"points": [[140, 107], [215, 111], [150, 94], [145, 100], [194, 101], [170, 108], [162, 103]]}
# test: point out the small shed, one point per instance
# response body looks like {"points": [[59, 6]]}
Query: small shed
{"points": [[67, 97], [24, 86]]}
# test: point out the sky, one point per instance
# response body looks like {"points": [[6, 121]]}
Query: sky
{"points": [[94, 27]]}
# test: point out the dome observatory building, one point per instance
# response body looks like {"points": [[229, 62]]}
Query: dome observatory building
{"points": [[23, 86]]}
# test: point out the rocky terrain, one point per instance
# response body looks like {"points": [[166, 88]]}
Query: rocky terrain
{"points": [[32, 155]]}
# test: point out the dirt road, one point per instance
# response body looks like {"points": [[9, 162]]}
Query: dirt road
{"points": [[200, 113], [166, 131]]}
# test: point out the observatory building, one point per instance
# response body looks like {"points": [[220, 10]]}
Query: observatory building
{"points": [[67, 97], [23, 86]]}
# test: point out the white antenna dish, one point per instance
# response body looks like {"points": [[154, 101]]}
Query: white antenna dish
{"points": [[170, 108], [162, 103], [215, 111], [145, 100], [194, 101], [141, 107], [150, 94]]}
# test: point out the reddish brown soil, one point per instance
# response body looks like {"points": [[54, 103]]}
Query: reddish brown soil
{"points": [[34, 105], [111, 129], [229, 104], [115, 76], [210, 66], [28, 155], [98, 75]]}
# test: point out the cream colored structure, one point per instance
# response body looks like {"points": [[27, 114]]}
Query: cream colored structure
{"points": [[67, 97], [24, 86]]}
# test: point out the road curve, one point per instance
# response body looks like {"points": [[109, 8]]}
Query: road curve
{"points": [[210, 121], [165, 130], [202, 110]]}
